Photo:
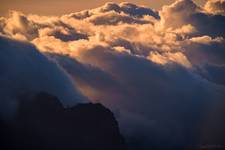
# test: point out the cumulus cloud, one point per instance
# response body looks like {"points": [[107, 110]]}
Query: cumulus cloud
{"points": [[177, 14], [215, 7], [125, 7], [184, 12], [19, 27], [113, 18], [29, 27], [160, 73], [113, 14]]}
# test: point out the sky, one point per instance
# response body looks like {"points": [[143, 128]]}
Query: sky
{"points": [[59, 7]]}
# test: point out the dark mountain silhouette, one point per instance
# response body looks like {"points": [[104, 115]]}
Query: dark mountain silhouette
{"points": [[43, 124]]}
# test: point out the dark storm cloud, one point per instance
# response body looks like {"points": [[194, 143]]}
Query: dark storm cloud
{"points": [[213, 73], [24, 70], [148, 99]]}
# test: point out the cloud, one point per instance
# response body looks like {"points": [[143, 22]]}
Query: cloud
{"points": [[177, 14], [125, 7], [113, 14], [206, 40], [138, 11], [178, 57], [215, 7], [183, 12], [29, 27], [213, 73], [113, 18], [147, 99], [205, 50], [24, 70], [19, 27], [160, 73], [62, 33]]}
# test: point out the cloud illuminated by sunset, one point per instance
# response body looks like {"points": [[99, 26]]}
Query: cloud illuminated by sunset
{"points": [[158, 69]]}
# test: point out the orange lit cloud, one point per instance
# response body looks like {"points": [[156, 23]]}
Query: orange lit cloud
{"points": [[156, 70]]}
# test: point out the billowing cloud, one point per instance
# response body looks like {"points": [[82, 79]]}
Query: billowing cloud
{"points": [[113, 18], [178, 14], [184, 12], [160, 73], [215, 7], [125, 7], [19, 27]]}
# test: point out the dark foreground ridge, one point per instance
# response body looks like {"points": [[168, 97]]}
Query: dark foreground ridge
{"points": [[43, 124]]}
